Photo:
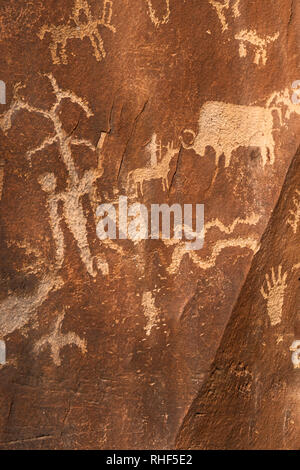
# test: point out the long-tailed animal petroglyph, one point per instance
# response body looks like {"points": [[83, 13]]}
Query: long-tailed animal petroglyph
{"points": [[260, 45], [276, 286], [160, 170], [226, 127], [150, 312], [294, 218], [77, 28], [226, 5], [76, 187], [206, 263], [153, 16], [57, 340]]}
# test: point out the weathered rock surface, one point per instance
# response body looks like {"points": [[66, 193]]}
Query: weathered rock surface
{"points": [[163, 101]]}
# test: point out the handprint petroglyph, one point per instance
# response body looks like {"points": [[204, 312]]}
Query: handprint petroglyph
{"points": [[276, 286]]}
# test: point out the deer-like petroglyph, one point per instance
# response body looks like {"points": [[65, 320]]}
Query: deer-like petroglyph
{"points": [[222, 7], [294, 218], [76, 187], [209, 262], [153, 15], [150, 311], [251, 39], [159, 168], [276, 286], [79, 28], [226, 127], [56, 341]]}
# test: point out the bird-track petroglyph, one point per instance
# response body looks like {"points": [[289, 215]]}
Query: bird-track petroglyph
{"points": [[276, 286], [77, 28], [294, 218], [56, 341], [250, 39], [180, 250]]}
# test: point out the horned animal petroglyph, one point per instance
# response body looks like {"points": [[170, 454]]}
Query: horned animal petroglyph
{"points": [[260, 45], [160, 170], [77, 28], [226, 127]]}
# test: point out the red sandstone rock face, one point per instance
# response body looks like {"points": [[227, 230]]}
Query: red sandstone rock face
{"points": [[108, 343]]}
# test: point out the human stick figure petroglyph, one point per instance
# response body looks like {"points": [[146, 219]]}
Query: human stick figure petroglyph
{"points": [[276, 286], [159, 170], [294, 218], [57, 340], [260, 44], [226, 5], [76, 187], [180, 249], [76, 28], [153, 16]]}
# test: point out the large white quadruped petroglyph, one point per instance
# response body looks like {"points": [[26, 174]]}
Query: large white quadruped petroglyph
{"points": [[250, 39], [79, 28], [226, 127], [153, 15], [276, 286], [2, 92]]}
